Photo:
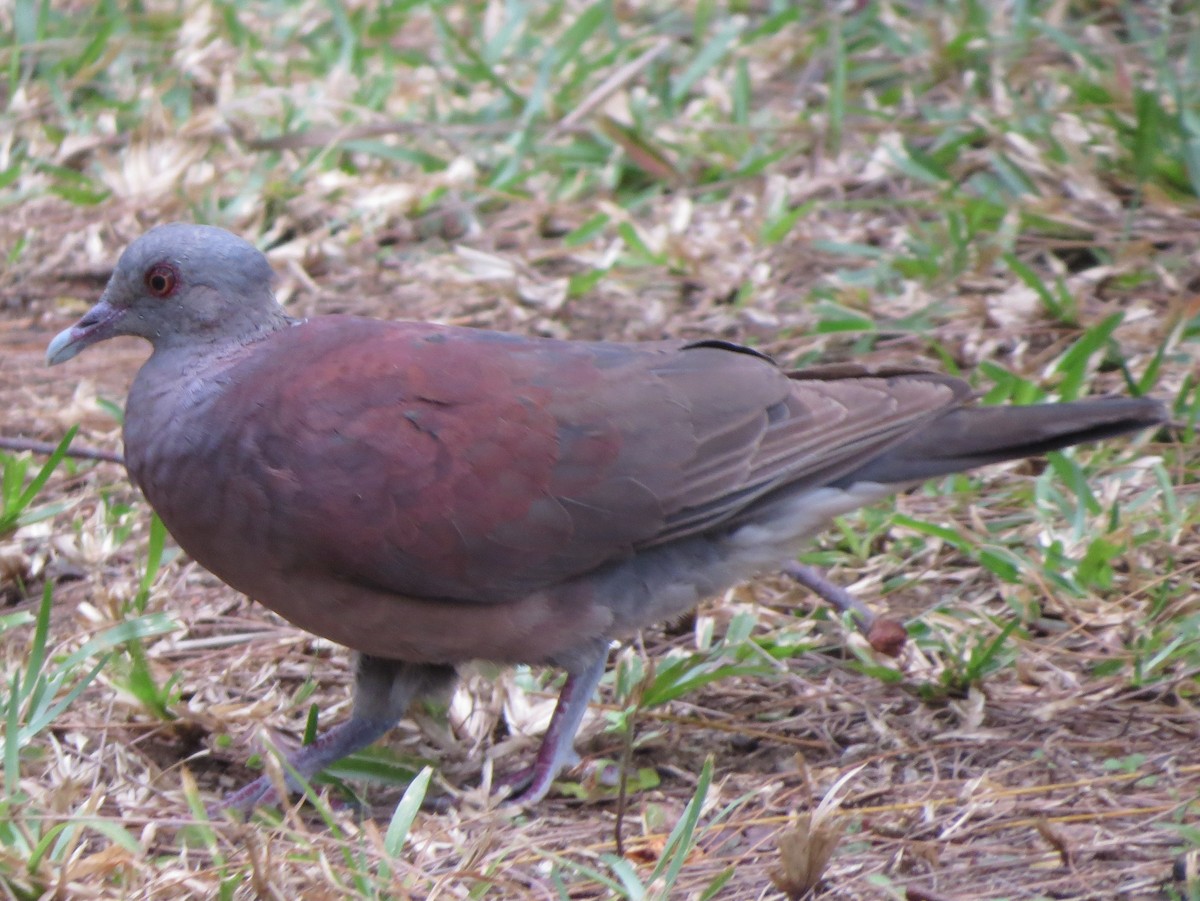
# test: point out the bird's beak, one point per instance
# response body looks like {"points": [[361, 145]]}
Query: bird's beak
{"points": [[97, 324]]}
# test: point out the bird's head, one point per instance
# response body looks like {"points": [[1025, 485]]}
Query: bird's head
{"points": [[180, 284]]}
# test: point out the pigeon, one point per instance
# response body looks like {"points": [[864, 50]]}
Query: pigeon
{"points": [[429, 495]]}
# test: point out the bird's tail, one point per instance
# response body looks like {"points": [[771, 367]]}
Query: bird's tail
{"points": [[966, 437]]}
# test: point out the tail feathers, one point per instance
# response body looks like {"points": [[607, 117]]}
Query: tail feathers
{"points": [[967, 437]]}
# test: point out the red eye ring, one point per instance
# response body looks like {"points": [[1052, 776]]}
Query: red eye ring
{"points": [[161, 279]]}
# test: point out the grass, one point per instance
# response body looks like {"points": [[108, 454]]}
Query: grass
{"points": [[1005, 191]]}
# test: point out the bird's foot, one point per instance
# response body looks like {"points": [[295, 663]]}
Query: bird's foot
{"points": [[243, 801], [530, 784]]}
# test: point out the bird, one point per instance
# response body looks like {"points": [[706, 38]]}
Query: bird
{"points": [[428, 495]]}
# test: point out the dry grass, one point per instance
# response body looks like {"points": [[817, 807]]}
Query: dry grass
{"points": [[901, 182]]}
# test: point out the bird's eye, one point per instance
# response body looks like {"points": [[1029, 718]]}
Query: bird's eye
{"points": [[161, 279]]}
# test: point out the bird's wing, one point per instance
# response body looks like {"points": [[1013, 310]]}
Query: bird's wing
{"points": [[463, 464]]}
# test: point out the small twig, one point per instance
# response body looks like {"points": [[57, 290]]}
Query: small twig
{"points": [[609, 86], [330, 137], [43, 447], [632, 711], [623, 788]]}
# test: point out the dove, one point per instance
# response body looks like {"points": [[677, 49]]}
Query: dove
{"points": [[429, 495]]}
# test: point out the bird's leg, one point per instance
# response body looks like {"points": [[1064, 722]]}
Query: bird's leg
{"points": [[383, 691], [884, 635], [557, 750], [835, 595]]}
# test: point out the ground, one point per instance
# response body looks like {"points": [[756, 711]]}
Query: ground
{"points": [[1009, 194]]}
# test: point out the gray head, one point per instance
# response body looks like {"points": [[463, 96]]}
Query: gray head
{"points": [[180, 285]]}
